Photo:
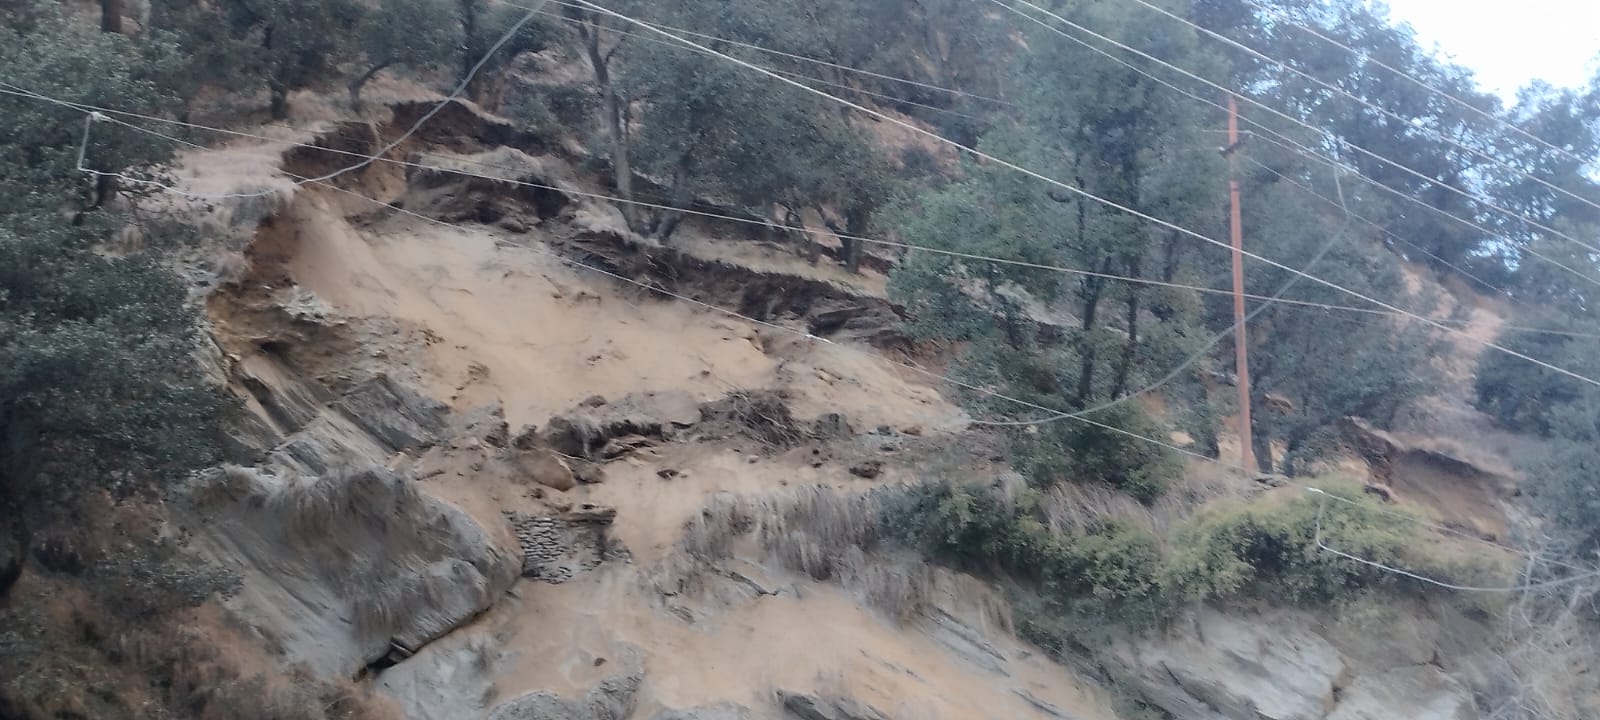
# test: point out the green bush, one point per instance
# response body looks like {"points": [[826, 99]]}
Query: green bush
{"points": [[1111, 571], [1079, 452], [1274, 543]]}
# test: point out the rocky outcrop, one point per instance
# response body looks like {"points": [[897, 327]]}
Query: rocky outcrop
{"points": [[348, 569], [1422, 692], [724, 711], [586, 431], [612, 699], [1215, 665], [813, 707], [396, 416]]}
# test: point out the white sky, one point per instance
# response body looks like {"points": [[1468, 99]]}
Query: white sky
{"points": [[1507, 43]]}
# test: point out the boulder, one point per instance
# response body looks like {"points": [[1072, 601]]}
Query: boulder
{"points": [[834, 426], [586, 431], [546, 468], [869, 469]]}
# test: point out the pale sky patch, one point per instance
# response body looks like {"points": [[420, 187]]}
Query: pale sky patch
{"points": [[1509, 43]]}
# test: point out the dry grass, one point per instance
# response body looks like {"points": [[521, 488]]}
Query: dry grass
{"points": [[829, 536], [1081, 508]]}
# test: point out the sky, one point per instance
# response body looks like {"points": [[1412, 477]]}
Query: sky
{"points": [[1508, 43]]}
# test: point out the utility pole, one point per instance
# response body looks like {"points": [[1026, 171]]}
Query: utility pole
{"points": [[1240, 338]]}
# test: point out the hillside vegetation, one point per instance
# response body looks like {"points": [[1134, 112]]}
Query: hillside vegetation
{"points": [[319, 319]]}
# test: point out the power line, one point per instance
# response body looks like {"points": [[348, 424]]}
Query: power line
{"points": [[1386, 231], [1368, 58], [1397, 165], [1091, 196], [910, 247], [792, 56], [460, 87], [1321, 506], [1311, 155], [802, 76], [1204, 351], [1269, 134], [1408, 122], [715, 308]]}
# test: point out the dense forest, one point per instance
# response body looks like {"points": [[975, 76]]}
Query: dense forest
{"points": [[1364, 157]]}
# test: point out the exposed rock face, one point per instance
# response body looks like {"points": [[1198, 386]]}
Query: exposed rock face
{"points": [[449, 679], [1218, 666], [1275, 666], [724, 711], [612, 699], [1422, 692], [348, 568], [812, 707], [393, 414]]}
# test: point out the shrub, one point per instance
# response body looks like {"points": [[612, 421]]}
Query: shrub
{"points": [[1111, 571], [1275, 542], [1080, 452]]}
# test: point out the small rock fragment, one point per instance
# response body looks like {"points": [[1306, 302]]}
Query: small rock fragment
{"points": [[869, 469]]}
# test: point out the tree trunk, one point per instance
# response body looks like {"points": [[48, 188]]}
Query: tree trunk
{"points": [[111, 16], [279, 106], [469, 38], [1260, 447], [1095, 288], [667, 222], [20, 463], [105, 187], [1125, 364], [616, 111], [855, 224], [360, 82]]}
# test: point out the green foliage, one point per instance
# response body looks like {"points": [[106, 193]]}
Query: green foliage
{"points": [[483, 23], [696, 133], [40, 141], [99, 388], [1526, 397], [1274, 544], [1069, 451], [285, 44], [410, 33], [1112, 571], [1072, 588], [1566, 487]]}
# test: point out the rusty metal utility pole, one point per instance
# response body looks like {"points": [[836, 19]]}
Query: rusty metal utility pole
{"points": [[1240, 338]]}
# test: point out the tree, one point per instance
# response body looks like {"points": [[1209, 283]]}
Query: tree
{"points": [[291, 44], [410, 33], [481, 27], [99, 387], [1373, 369]]}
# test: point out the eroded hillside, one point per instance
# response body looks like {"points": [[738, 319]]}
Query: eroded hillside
{"points": [[678, 487], [623, 385]]}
